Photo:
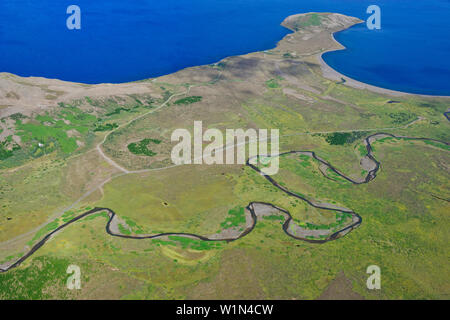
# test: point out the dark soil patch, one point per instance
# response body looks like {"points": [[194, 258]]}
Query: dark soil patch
{"points": [[340, 289]]}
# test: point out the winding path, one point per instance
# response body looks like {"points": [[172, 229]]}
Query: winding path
{"points": [[356, 219]]}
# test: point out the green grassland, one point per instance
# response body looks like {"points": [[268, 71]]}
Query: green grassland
{"points": [[141, 147], [159, 205], [312, 19], [404, 211], [398, 225], [188, 100], [396, 234], [53, 166]]}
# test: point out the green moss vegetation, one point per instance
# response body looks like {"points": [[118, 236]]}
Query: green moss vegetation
{"points": [[333, 175], [188, 100], [7, 149], [46, 229], [340, 138], [342, 218], [362, 150], [48, 134], [438, 145], [33, 281], [274, 217], [117, 111], [188, 243], [96, 215], [106, 127], [17, 116], [141, 147], [235, 218], [45, 132], [124, 230], [65, 129], [67, 216], [135, 228], [305, 161], [312, 19], [402, 117], [272, 83]]}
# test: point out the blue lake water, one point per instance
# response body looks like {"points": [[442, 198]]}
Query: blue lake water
{"points": [[131, 40]]}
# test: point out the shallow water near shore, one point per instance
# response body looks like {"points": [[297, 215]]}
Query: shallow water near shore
{"points": [[127, 41]]}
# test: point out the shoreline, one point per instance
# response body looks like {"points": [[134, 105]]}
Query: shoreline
{"points": [[332, 74], [327, 71]]}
